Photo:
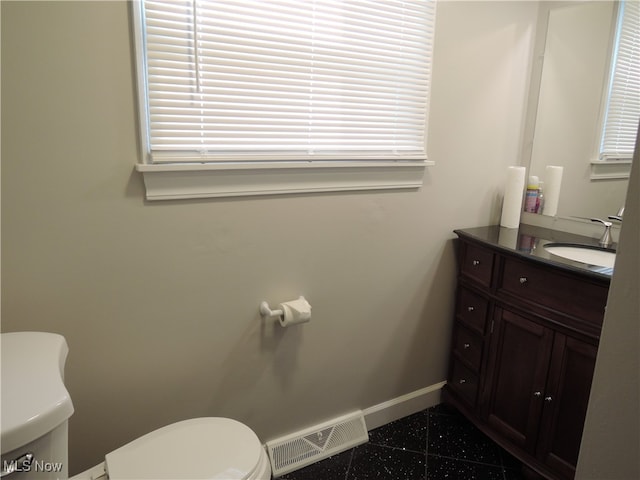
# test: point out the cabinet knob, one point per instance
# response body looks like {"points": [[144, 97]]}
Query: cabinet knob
{"points": [[523, 280], [548, 399], [466, 345], [462, 381], [476, 263], [537, 394], [470, 308]]}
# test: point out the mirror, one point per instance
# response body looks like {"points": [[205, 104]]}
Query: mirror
{"points": [[573, 49]]}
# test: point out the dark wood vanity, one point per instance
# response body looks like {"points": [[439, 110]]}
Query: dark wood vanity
{"points": [[524, 343]]}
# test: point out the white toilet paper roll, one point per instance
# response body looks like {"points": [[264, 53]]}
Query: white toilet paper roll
{"points": [[295, 312], [552, 184], [512, 201]]}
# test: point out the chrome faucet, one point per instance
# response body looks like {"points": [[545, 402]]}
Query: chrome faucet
{"points": [[606, 240], [618, 216]]}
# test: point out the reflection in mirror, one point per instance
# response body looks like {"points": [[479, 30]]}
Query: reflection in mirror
{"points": [[578, 41]]}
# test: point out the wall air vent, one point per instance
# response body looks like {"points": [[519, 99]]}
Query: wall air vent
{"points": [[310, 445]]}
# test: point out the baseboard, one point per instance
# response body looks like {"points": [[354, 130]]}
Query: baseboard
{"points": [[399, 407]]}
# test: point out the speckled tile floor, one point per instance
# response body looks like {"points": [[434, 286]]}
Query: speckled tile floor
{"points": [[437, 443]]}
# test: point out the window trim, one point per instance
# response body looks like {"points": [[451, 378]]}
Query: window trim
{"points": [[173, 181], [610, 169], [188, 181]]}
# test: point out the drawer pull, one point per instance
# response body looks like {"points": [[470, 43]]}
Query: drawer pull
{"points": [[548, 399], [471, 309], [475, 263], [466, 345], [537, 394], [523, 280], [462, 381]]}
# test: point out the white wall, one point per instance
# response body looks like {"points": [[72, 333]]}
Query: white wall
{"points": [[611, 439], [159, 302]]}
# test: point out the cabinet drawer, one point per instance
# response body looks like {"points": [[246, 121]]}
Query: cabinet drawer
{"points": [[464, 382], [467, 346], [477, 263], [472, 309], [554, 290]]}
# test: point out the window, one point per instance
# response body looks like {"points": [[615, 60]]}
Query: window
{"points": [[622, 111], [281, 96]]}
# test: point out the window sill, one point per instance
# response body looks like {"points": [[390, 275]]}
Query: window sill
{"points": [[610, 169], [188, 181]]}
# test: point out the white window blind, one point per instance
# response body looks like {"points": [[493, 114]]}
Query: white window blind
{"points": [[623, 103], [286, 80]]}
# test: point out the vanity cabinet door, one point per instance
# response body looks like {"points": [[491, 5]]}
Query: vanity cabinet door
{"points": [[566, 398], [519, 358]]}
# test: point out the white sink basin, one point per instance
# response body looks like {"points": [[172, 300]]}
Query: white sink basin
{"points": [[583, 253]]}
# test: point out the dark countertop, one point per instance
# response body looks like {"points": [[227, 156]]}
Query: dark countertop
{"points": [[529, 241]]}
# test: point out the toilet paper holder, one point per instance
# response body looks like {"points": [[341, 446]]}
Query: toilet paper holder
{"points": [[288, 313], [265, 311]]}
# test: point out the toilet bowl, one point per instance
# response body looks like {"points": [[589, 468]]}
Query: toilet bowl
{"points": [[35, 411], [203, 448]]}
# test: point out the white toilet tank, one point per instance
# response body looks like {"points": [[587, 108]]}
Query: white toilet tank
{"points": [[35, 406]]}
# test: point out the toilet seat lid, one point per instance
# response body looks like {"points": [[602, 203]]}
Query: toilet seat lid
{"points": [[201, 448]]}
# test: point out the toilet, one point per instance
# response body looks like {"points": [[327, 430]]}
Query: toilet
{"points": [[34, 423]]}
